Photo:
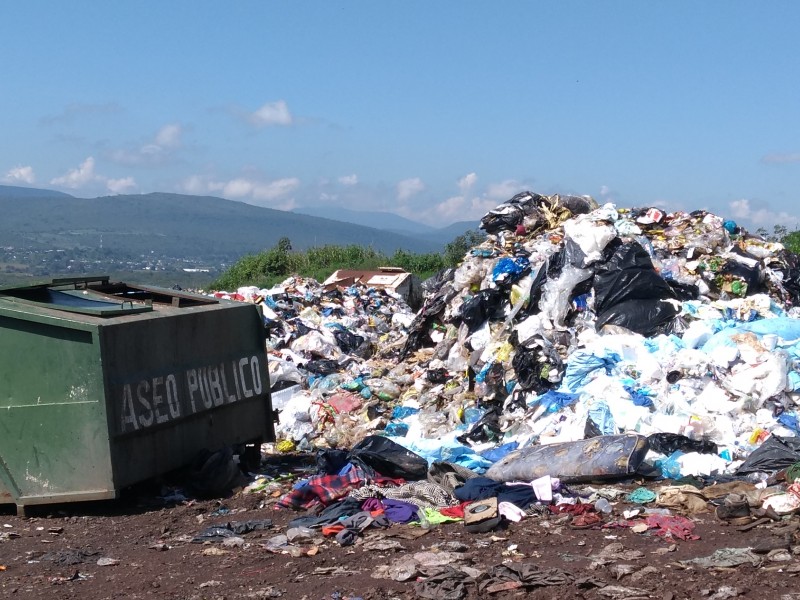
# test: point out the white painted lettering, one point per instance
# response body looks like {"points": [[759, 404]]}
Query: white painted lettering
{"points": [[146, 417], [256, 372], [128, 414], [248, 393], [216, 388], [172, 397], [236, 380], [208, 401], [228, 396], [191, 381], [158, 400]]}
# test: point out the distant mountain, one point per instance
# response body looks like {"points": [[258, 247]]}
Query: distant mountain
{"points": [[447, 234], [377, 220], [15, 191], [393, 223], [177, 225]]}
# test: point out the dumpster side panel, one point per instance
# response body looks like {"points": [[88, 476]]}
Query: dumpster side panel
{"points": [[182, 383], [53, 436]]}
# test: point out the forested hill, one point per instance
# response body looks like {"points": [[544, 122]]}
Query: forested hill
{"points": [[202, 227]]}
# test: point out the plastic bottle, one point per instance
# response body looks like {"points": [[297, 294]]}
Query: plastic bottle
{"points": [[603, 506], [423, 519]]}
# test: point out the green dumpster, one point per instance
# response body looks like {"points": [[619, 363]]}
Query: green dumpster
{"points": [[103, 385]]}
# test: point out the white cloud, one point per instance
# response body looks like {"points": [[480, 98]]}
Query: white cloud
{"points": [[121, 186], [271, 113], [348, 179], [169, 136], [466, 182], [85, 177], [156, 152], [20, 175], [238, 188], [450, 209], [79, 177], [468, 204], [793, 157], [408, 188], [275, 189], [201, 184], [273, 194], [741, 210], [456, 208], [504, 190]]}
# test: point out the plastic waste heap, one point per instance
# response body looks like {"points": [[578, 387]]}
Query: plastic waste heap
{"points": [[570, 321]]}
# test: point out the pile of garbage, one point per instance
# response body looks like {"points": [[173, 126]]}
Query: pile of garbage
{"points": [[570, 321], [319, 340]]}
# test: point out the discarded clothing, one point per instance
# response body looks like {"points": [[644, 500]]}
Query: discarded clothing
{"points": [[421, 493], [672, 526], [726, 557], [641, 496], [529, 575], [398, 511], [217, 533], [449, 475], [323, 489], [481, 488], [443, 583], [331, 514]]}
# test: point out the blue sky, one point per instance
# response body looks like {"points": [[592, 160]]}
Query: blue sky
{"points": [[437, 111]]}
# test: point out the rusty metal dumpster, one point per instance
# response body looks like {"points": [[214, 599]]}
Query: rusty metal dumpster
{"points": [[103, 385]]}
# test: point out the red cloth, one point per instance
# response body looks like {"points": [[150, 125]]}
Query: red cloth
{"points": [[456, 512], [672, 526], [329, 530], [323, 490], [571, 509]]}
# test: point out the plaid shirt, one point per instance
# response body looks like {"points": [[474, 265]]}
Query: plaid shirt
{"points": [[323, 489]]}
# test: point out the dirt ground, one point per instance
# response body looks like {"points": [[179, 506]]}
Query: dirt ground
{"points": [[141, 546]]}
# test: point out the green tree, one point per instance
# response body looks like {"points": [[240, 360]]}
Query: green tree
{"points": [[454, 251], [284, 245], [792, 242]]}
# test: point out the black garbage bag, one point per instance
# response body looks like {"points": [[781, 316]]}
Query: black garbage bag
{"points": [[419, 330], [531, 370], [684, 291], [486, 429], [300, 328], [330, 462], [577, 205], [322, 366], [556, 263], [382, 456], [508, 215], [646, 317], [503, 218], [629, 292], [437, 376], [790, 268], [774, 454], [214, 474], [628, 275], [574, 254], [433, 283], [667, 443], [751, 276], [591, 429], [347, 341], [676, 326], [486, 304]]}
